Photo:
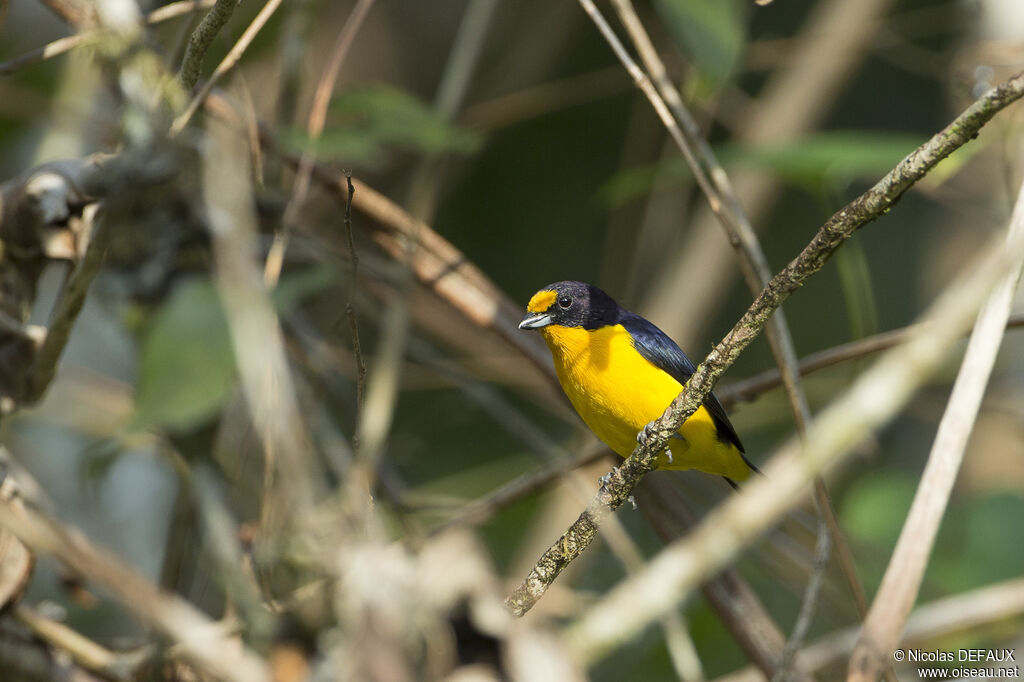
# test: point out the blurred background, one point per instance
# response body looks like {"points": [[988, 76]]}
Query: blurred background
{"points": [[548, 164]]}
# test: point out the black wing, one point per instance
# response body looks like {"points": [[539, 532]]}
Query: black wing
{"points": [[662, 352]]}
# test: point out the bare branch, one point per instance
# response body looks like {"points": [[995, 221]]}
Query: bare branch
{"points": [[201, 39], [898, 591], [750, 388], [72, 298], [314, 128], [68, 43], [230, 60], [350, 312], [78, 13], [928, 623], [85, 652], [263, 367], [202, 641], [728, 594]]}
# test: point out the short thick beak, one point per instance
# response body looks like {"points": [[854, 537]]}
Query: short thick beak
{"points": [[535, 321]]}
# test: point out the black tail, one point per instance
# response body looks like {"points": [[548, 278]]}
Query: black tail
{"points": [[750, 464]]}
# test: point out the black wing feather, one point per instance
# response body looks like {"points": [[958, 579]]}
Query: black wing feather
{"points": [[662, 352]]}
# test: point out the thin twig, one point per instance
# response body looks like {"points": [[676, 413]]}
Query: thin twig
{"points": [[537, 100], [382, 386], [445, 270], [67, 308], [481, 509], [294, 46], [736, 604], [201, 39], [314, 129], [263, 369], [928, 623], [750, 388], [350, 312], [202, 641], [226, 64], [84, 651], [835, 36], [437, 263], [425, 185], [68, 43], [822, 552], [902, 580], [841, 226]]}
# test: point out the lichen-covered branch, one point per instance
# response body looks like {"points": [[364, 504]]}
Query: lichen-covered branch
{"points": [[898, 591], [840, 227], [871, 402], [201, 39]]}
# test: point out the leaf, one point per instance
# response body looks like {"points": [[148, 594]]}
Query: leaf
{"points": [[297, 285], [711, 32], [369, 118], [187, 367], [989, 520], [838, 156], [875, 506], [829, 157]]}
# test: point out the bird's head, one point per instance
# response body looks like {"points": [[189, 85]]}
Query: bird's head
{"points": [[570, 304]]}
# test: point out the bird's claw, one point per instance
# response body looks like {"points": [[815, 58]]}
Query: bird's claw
{"points": [[644, 434], [632, 502], [607, 478]]}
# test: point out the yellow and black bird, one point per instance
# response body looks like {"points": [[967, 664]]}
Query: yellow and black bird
{"points": [[620, 372]]}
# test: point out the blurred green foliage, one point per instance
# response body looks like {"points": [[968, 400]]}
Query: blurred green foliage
{"points": [[710, 32], [186, 364], [827, 159], [366, 122]]}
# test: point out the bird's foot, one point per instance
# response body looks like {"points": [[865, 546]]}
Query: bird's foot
{"points": [[644, 434], [632, 502], [607, 478]]}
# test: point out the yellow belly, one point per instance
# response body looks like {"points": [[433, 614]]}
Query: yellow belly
{"points": [[616, 391]]}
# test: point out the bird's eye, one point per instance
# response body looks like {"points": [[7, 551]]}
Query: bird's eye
{"points": [[565, 301]]}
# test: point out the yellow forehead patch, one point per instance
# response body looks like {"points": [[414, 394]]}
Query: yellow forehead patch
{"points": [[541, 301]]}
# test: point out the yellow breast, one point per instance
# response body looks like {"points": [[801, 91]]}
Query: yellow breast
{"points": [[616, 391]]}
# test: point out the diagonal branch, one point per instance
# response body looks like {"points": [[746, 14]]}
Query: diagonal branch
{"points": [[899, 588], [201, 39], [230, 60], [931, 622], [840, 227], [728, 209], [876, 396], [202, 641], [750, 388]]}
